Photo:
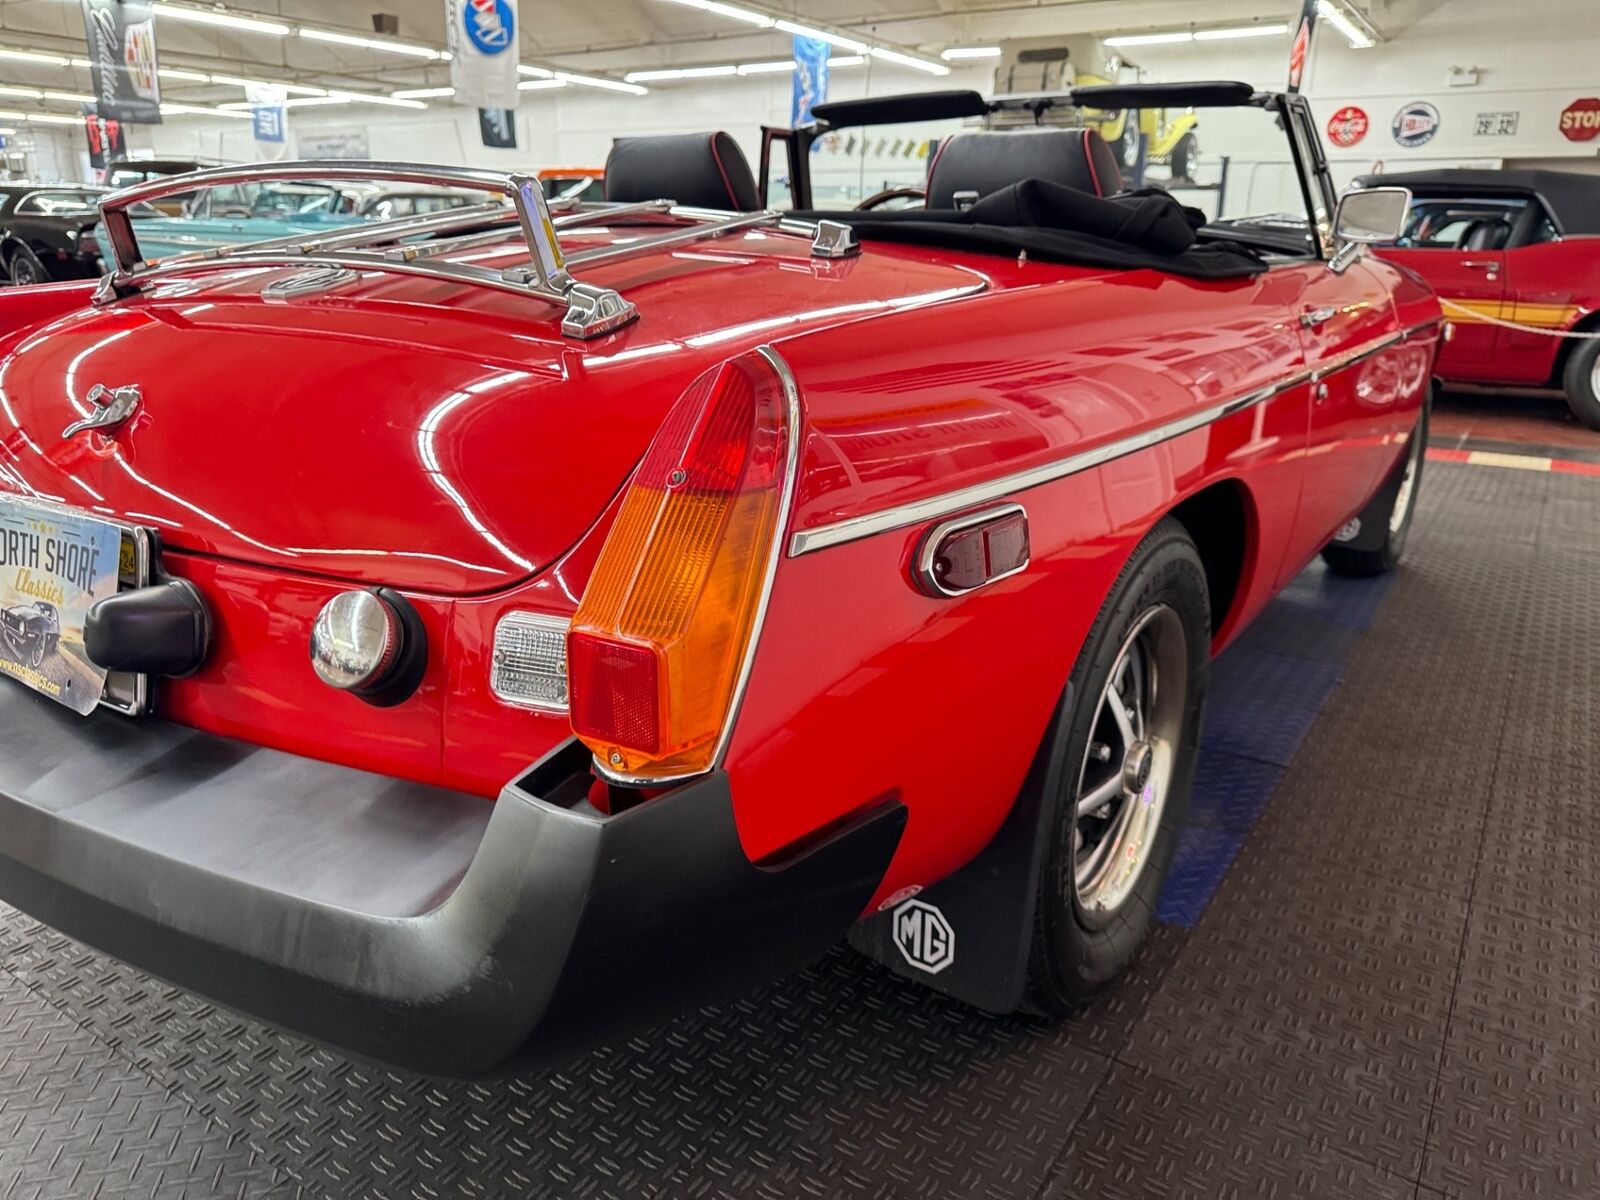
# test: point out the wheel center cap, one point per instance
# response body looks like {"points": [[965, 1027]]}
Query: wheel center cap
{"points": [[1136, 768]]}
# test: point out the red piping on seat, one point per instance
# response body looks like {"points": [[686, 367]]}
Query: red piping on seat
{"points": [[733, 200], [937, 155], [1088, 157]]}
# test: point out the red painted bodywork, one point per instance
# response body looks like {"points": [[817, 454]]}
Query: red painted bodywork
{"points": [[447, 441], [1531, 285]]}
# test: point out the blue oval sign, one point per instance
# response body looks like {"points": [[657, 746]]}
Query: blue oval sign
{"points": [[491, 25]]}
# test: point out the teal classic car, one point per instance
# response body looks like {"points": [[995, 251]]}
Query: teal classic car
{"points": [[226, 216]]}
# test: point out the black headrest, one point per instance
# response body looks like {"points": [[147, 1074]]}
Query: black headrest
{"points": [[701, 170], [1485, 235], [989, 160]]}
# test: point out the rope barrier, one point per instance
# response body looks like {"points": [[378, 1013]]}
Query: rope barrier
{"points": [[1517, 325]]}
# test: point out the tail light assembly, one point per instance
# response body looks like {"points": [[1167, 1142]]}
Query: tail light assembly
{"points": [[662, 642]]}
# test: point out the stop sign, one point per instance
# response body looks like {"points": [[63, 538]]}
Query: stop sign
{"points": [[1580, 120]]}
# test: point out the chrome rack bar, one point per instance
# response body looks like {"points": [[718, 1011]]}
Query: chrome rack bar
{"points": [[590, 310]]}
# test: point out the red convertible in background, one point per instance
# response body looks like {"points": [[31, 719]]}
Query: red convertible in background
{"points": [[1515, 258], [557, 615]]}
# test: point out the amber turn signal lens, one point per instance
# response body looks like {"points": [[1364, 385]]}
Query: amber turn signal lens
{"points": [[659, 641]]}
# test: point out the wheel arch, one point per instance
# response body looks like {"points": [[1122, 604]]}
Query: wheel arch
{"points": [[1588, 323], [1220, 519]]}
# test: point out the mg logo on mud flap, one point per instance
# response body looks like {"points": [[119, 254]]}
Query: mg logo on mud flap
{"points": [[925, 938]]}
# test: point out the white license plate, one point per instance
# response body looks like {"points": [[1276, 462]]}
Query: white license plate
{"points": [[55, 563]]}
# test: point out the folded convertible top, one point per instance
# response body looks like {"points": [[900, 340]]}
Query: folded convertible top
{"points": [[1056, 223]]}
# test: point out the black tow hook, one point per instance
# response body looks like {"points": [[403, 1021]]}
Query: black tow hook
{"points": [[164, 629]]}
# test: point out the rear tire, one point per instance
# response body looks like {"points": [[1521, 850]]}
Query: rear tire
{"points": [[1581, 382], [1182, 158], [1103, 871], [1365, 551], [25, 269]]}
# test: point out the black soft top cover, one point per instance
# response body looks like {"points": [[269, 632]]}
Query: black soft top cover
{"points": [[1056, 223], [1573, 199]]}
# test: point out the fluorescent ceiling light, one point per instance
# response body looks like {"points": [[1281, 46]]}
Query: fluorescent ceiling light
{"points": [[201, 110], [539, 85], [433, 93], [70, 97], [371, 98], [184, 76], [847, 60], [680, 73], [25, 92], [366, 43], [910, 60], [1150, 39], [304, 101], [41, 118], [536, 72], [1241, 31], [729, 10], [294, 89], [955, 52], [610, 85], [55, 60], [767, 68], [822, 35], [1342, 20], [211, 16]]}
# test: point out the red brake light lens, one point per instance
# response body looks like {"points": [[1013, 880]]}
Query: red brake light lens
{"points": [[659, 641]]}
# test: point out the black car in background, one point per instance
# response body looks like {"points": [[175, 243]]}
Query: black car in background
{"points": [[47, 231]]}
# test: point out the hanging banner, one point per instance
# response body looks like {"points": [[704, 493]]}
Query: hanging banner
{"points": [[105, 141], [122, 59], [482, 37], [810, 78], [1300, 48], [269, 119], [498, 128]]}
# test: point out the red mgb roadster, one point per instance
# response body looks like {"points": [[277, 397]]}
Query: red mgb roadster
{"points": [[535, 618]]}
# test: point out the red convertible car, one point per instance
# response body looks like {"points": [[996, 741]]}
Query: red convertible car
{"points": [[1515, 258], [558, 615]]}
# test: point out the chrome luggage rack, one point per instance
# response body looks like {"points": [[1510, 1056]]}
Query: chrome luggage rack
{"points": [[588, 311]]}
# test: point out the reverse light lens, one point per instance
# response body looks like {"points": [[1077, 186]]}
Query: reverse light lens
{"points": [[355, 641], [529, 668], [659, 641]]}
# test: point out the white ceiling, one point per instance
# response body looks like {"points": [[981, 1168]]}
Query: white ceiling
{"points": [[604, 36]]}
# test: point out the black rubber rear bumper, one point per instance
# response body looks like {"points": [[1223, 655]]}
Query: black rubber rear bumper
{"points": [[420, 927]]}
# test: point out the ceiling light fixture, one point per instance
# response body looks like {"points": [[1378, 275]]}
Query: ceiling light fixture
{"points": [[910, 60], [540, 85], [25, 92], [40, 118], [731, 11], [680, 73], [822, 35], [1239, 31], [294, 89], [848, 60], [371, 98], [366, 43], [70, 97], [34, 56], [433, 93], [958, 52], [1150, 39], [536, 72], [610, 85], [184, 76], [211, 16], [202, 110], [1357, 30], [783, 67]]}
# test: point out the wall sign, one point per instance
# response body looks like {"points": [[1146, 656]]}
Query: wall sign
{"points": [[1580, 120], [1415, 124], [339, 143], [1348, 126], [1496, 124]]}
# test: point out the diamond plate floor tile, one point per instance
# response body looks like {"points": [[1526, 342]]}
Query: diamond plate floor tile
{"points": [[1146, 1136], [1320, 989], [1518, 1112]]}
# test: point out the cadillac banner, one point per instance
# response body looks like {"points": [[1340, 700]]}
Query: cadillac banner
{"points": [[482, 37], [54, 565], [122, 59]]}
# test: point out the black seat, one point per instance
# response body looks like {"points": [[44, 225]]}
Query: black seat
{"points": [[986, 161], [1487, 234], [701, 170]]}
